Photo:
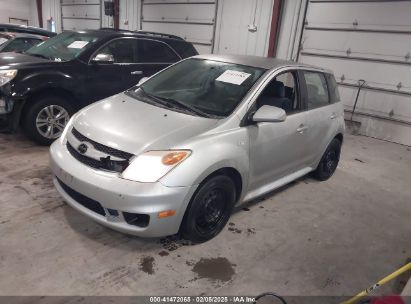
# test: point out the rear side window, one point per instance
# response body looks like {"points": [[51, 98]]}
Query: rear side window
{"points": [[20, 45], [333, 88], [155, 52], [317, 90]]}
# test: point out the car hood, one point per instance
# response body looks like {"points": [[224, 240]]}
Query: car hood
{"points": [[16, 60], [133, 126]]}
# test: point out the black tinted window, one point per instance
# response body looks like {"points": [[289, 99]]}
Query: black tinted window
{"points": [[123, 50], [317, 90], [20, 45], [153, 51]]}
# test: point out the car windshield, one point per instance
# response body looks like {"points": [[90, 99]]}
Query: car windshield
{"points": [[207, 87], [64, 47]]}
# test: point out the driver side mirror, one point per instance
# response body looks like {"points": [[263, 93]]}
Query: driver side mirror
{"points": [[103, 58], [269, 114]]}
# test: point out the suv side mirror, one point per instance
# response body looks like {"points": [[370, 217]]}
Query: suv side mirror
{"points": [[103, 58], [269, 114]]}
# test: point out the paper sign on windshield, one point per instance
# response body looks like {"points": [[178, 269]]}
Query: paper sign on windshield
{"points": [[234, 77], [77, 44]]}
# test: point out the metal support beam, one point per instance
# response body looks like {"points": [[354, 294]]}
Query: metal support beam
{"points": [[40, 12], [275, 28], [116, 17]]}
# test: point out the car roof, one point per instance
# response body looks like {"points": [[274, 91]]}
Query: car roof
{"points": [[22, 35], [258, 62], [106, 32], [19, 27]]}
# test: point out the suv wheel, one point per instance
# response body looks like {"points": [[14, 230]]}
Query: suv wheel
{"points": [[45, 119], [210, 209], [329, 161]]}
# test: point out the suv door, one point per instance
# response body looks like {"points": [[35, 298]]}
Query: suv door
{"points": [[106, 79], [322, 114], [277, 149]]}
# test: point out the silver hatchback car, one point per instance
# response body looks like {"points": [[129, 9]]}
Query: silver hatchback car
{"points": [[177, 152]]}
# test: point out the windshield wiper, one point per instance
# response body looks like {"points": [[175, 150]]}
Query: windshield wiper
{"points": [[191, 108], [154, 98]]}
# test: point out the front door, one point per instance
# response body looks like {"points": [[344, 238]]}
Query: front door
{"points": [[277, 148]]}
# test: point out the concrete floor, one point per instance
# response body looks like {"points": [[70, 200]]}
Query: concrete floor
{"points": [[310, 238]]}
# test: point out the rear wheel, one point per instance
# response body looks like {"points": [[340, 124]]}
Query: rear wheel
{"points": [[329, 161], [210, 209], [46, 118]]}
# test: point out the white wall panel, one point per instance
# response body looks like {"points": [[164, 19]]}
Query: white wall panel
{"points": [[80, 14], [369, 41], [192, 20], [233, 35], [15, 9], [130, 11]]}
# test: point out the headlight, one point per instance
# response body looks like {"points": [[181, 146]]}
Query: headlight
{"points": [[62, 138], [6, 76], [149, 167]]}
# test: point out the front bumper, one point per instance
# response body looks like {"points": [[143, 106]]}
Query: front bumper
{"points": [[115, 193], [10, 110]]}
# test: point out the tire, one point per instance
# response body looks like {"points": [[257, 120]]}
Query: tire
{"points": [[209, 209], [39, 119], [329, 161]]}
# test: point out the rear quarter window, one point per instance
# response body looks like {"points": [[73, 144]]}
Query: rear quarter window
{"points": [[333, 88]]}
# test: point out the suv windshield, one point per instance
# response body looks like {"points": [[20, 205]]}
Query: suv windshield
{"points": [[3, 40], [204, 86], [64, 47]]}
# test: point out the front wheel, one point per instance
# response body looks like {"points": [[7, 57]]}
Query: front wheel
{"points": [[209, 209], [45, 119], [329, 161]]}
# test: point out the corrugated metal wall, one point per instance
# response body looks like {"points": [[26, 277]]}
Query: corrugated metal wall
{"points": [[243, 27], [370, 41], [80, 14]]}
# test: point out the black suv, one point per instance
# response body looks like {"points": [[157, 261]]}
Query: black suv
{"points": [[43, 87]]}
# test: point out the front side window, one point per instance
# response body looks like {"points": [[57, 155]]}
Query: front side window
{"points": [[281, 92], [64, 47], [211, 87], [317, 90], [122, 50]]}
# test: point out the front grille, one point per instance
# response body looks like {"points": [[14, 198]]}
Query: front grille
{"points": [[102, 148], [82, 199]]}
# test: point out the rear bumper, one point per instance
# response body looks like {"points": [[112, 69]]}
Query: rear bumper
{"points": [[115, 193]]}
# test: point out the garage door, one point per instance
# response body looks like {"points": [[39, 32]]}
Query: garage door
{"points": [[193, 20], [367, 44], [80, 14]]}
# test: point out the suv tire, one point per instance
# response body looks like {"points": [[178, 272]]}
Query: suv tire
{"points": [[210, 209], [45, 119], [329, 161]]}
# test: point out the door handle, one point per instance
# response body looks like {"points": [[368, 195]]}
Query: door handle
{"points": [[301, 129], [137, 73], [333, 116]]}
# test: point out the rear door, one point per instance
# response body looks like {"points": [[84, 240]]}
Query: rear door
{"points": [[322, 113], [151, 57]]}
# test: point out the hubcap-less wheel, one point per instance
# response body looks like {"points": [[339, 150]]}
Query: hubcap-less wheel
{"points": [[211, 211], [51, 120], [331, 161]]}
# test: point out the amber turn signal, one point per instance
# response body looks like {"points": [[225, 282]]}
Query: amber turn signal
{"points": [[174, 157], [166, 213]]}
